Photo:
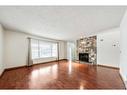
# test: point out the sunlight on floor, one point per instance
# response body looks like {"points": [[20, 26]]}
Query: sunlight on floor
{"points": [[70, 67], [41, 74]]}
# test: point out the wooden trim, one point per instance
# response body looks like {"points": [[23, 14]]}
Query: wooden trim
{"points": [[63, 60], [49, 62], [2, 73], [122, 81], [108, 67], [44, 62], [7, 69]]}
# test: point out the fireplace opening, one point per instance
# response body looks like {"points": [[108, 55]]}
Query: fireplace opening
{"points": [[84, 57]]}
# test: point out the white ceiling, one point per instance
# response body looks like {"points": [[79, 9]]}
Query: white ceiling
{"points": [[63, 23]]}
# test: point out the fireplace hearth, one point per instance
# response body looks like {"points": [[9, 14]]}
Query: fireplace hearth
{"points": [[84, 57]]}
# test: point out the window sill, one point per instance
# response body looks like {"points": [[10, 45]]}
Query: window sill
{"points": [[44, 58]]}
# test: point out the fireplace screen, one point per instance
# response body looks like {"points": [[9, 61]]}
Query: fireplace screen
{"points": [[84, 57]]}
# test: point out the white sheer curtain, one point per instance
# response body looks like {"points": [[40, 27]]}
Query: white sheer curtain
{"points": [[42, 49], [30, 61]]}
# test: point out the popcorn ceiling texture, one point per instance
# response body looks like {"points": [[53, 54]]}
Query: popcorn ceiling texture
{"points": [[88, 45]]}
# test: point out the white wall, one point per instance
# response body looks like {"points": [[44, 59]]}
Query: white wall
{"points": [[16, 49], [107, 54], [123, 47], [1, 50]]}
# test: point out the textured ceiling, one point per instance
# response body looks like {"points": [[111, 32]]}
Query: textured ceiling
{"points": [[63, 23]]}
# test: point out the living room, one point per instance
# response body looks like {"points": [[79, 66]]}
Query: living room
{"points": [[71, 47]]}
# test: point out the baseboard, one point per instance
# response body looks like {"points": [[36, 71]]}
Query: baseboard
{"points": [[2, 73], [123, 81], [44, 62], [49, 62], [108, 66], [63, 59], [12, 68], [7, 69]]}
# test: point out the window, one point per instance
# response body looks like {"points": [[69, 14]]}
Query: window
{"points": [[43, 49], [35, 50]]}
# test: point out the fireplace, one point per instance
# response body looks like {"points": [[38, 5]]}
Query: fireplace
{"points": [[84, 57]]}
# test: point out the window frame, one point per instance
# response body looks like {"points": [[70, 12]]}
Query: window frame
{"points": [[39, 49]]}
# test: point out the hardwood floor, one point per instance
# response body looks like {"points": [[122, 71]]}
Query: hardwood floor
{"points": [[62, 75]]}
